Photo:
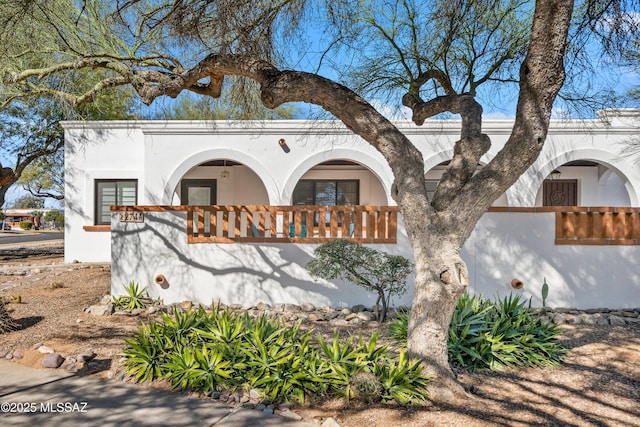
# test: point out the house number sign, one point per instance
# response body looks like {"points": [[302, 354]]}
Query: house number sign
{"points": [[129, 216]]}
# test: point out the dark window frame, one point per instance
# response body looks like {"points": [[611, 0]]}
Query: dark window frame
{"points": [[200, 182], [336, 181], [97, 203]]}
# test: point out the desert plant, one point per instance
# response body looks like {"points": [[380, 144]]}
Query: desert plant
{"points": [[544, 293], [485, 334], [399, 327], [6, 321], [146, 353], [202, 351], [366, 387], [135, 298], [401, 380], [374, 270]]}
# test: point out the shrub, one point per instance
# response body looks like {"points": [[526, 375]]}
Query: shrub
{"points": [[224, 351], [26, 225], [376, 271], [485, 334], [6, 322], [135, 298]]}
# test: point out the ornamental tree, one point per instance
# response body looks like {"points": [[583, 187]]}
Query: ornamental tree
{"points": [[374, 270]]}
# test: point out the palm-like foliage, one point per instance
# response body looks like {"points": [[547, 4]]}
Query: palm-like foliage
{"points": [[221, 350], [485, 334]]}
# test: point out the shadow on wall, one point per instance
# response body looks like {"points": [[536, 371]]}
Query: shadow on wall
{"points": [[229, 273], [580, 276]]}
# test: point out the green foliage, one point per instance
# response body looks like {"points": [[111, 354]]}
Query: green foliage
{"points": [[485, 334], [545, 292], [6, 322], [399, 327], [374, 270], [366, 387], [26, 225], [54, 215], [224, 351], [135, 298], [28, 202], [227, 107], [402, 380]]}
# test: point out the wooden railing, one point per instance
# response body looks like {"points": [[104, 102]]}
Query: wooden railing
{"points": [[294, 224], [598, 226]]}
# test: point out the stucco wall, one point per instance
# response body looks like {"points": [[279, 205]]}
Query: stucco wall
{"points": [[160, 154], [499, 250], [229, 273]]}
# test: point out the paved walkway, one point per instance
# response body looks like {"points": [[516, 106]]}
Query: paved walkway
{"points": [[58, 398]]}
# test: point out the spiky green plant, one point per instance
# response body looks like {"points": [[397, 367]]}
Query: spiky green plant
{"points": [[135, 298], [6, 321], [485, 334], [545, 293], [202, 351]]}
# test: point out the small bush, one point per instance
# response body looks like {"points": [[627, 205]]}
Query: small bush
{"points": [[224, 351], [374, 270], [135, 298], [26, 225], [366, 387], [490, 335], [6, 322]]}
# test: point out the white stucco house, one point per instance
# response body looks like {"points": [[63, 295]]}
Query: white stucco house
{"points": [[232, 211]]}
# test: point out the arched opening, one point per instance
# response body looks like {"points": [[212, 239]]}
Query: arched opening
{"points": [[339, 182], [220, 182], [583, 183]]}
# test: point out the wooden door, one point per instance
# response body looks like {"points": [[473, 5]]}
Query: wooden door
{"points": [[560, 192]]}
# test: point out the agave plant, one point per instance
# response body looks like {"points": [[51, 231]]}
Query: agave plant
{"points": [[485, 334], [135, 298]]}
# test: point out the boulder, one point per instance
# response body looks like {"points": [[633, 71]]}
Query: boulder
{"points": [[53, 360]]}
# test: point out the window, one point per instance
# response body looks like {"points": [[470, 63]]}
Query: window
{"points": [[119, 192], [198, 192], [327, 192]]}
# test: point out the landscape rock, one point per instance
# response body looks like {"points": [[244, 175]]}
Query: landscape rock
{"points": [[101, 310], [307, 307], [358, 308], [45, 350], [18, 353], [290, 415], [330, 422], [366, 316], [338, 322], [87, 356], [613, 320], [53, 360]]}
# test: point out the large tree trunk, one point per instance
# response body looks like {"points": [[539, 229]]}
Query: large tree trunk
{"points": [[441, 277], [462, 197]]}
